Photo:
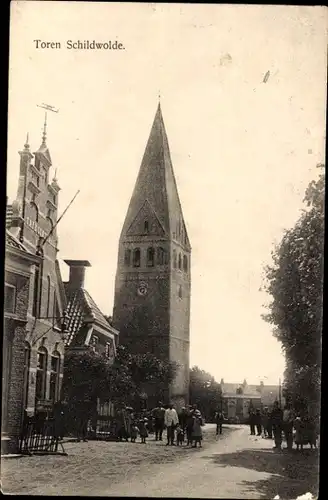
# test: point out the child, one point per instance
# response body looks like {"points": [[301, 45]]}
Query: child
{"points": [[134, 432], [180, 435], [197, 434], [143, 430]]}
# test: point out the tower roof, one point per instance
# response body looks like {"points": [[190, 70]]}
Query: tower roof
{"points": [[156, 184]]}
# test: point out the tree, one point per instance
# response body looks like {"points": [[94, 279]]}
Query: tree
{"points": [[204, 391], [295, 283], [89, 376]]}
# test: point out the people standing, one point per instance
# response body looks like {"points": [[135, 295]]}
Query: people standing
{"points": [[189, 425], [288, 420], [143, 430], [219, 421], [270, 424], [183, 419], [298, 424], [265, 421], [158, 414], [171, 420], [252, 419], [277, 422], [197, 433], [258, 421]]}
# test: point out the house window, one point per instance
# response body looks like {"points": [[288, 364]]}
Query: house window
{"points": [[41, 374], [150, 257], [54, 376], [34, 212], [180, 261], [136, 257], [54, 199], [36, 292], [185, 263], [48, 296], [10, 299], [26, 371], [160, 256], [174, 259], [108, 349], [127, 257], [45, 175], [94, 343], [146, 226], [180, 292]]}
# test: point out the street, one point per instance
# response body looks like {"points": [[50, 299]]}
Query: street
{"points": [[236, 465]]}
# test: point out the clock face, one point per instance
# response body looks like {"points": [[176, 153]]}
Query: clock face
{"points": [[142, 288]]}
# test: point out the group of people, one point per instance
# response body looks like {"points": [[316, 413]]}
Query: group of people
{"points": [[183, 427], [279, 423]]}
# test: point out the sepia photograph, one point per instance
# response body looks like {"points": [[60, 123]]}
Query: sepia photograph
{"points": [[164, 250]]}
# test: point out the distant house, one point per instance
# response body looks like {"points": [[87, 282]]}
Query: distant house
{"points": [[237, 399]]}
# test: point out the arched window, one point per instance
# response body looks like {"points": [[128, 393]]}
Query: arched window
{"points": [[127, 257], [54, 376], [161, 254], [180, 292], [48, 296], [174, 259], [150, 257], [185, 263], [41, 374], [50, 224], [34, 212], [136, 257], [180, 261], [146, 226], [26, 370]]}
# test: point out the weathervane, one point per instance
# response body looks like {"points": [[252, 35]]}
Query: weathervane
{"points": [[47, 107]]}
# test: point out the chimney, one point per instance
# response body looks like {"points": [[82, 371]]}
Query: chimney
{"points": [[77, 272]]}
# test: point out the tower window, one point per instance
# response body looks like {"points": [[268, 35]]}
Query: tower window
{"points": [[180, 292], [146, 226], [127, 257], [180, 261], [150, 257], [185, 263], [94, 343], [108, 351], [161, 254], [136, 257], [174, 259]]}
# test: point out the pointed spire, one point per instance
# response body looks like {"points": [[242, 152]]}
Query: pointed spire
{"points": [[26, 145], [44, 136], [156, 184]]}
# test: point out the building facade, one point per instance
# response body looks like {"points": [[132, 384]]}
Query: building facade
{"points": [[19, 265], [31, 220], [152, 286]]}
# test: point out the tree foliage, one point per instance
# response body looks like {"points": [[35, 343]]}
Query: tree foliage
{"points": [[204, 391], [89, 375], [295, 283]]}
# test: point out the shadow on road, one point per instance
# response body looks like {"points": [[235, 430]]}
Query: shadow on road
{"points": [[293, 473]]}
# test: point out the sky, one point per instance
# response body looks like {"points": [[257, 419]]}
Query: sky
{"points": [[243, 149]]}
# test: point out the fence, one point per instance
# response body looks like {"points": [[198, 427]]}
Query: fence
{"points": [[41, 437]]}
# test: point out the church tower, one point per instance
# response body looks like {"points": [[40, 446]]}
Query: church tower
{"points": [[152, 287]]}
